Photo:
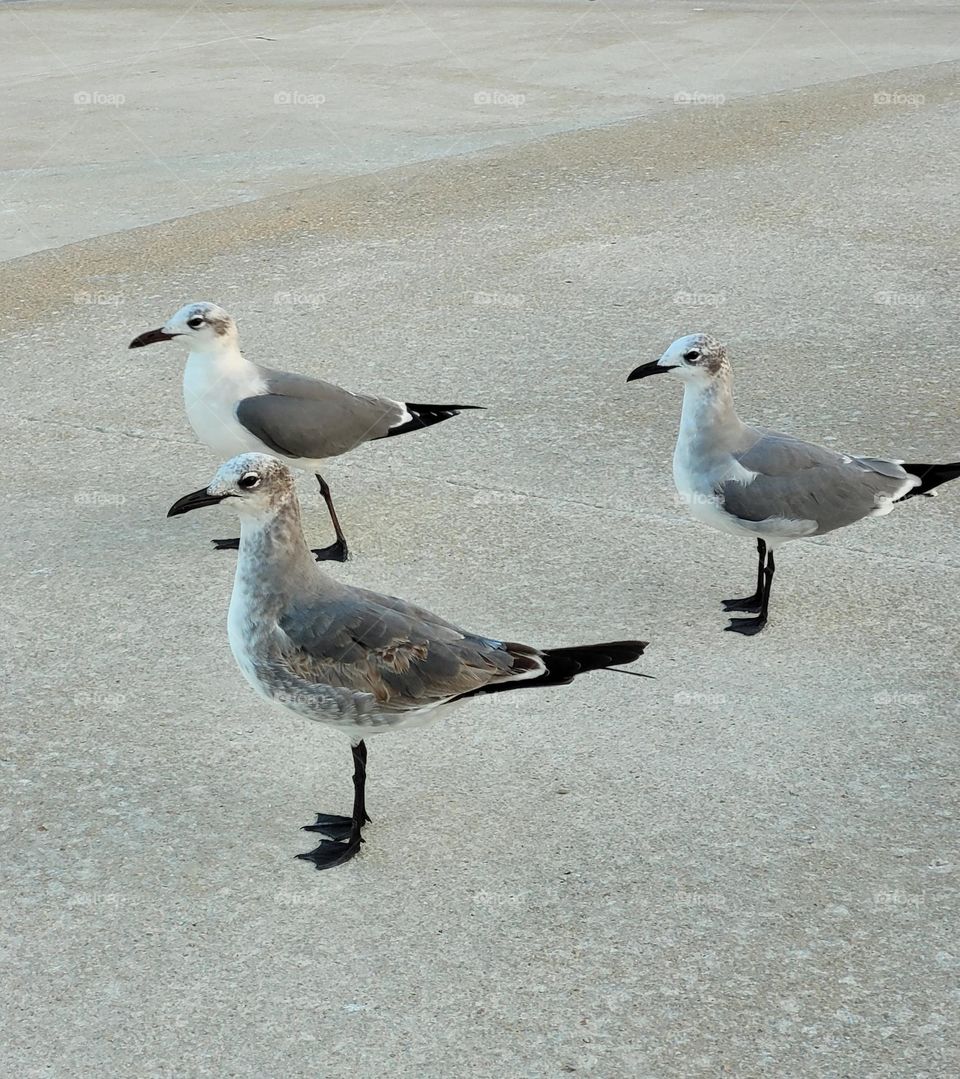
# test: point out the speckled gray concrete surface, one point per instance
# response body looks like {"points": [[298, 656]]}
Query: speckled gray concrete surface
{"points": [[150, 111], [747, 867]]}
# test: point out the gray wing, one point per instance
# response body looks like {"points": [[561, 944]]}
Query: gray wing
{"points": [[800, 481], [402, 655], [312, 419]]}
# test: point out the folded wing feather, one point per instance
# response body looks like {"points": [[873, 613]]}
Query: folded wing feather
{"points": [[800, 481], [324, 423], [402, 655]]}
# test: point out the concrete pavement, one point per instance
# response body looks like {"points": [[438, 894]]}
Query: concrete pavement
{"points": [[746, 867]]}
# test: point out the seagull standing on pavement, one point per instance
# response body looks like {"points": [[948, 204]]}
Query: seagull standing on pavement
{"points": [[238, 407], [357, 661], [768, 486]]}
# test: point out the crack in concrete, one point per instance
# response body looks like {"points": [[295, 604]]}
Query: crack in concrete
{"points": [[646, 515]]}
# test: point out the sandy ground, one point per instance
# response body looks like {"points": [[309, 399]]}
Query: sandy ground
{"points": [[747, 867]]}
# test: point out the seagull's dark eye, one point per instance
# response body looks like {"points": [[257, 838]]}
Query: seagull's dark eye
{"points": [[195, 323], [691, 355], [251, 479]]}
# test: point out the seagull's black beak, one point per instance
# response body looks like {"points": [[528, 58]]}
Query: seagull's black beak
{"points": [[151, 337], [196, 500], [647, 369]]}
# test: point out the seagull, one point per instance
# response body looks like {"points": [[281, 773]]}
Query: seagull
{"points": [[237, 407], [360, 662], [770, 487]]}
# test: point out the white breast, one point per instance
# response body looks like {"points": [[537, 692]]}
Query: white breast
{"points": [[696, 491], [241, 627], [212, 387], [698, 478]]}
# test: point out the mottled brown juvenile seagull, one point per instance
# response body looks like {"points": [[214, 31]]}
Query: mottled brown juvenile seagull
{"points": [[358, 661], [238, 407], [771, 487]]}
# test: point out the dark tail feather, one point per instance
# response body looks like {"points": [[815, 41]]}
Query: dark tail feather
{"points": [[567, 663], [564, 664], [931, 476], [426, 416]]}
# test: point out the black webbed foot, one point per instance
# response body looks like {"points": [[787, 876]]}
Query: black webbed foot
{"points": [[748, 627], [344, 832], [336, 552], [226, 544], [329, 854], [332, 825], [748, 603]]}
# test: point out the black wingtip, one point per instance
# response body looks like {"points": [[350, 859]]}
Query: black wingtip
{"points": [[411, 407], [563, 665], [569, 662], [930, 476], [426, 416]]}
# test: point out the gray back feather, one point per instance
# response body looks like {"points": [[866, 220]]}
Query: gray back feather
{"points": [[801, 481], [402, 655], [309, 418]]}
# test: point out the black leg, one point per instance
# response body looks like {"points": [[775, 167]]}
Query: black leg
{"points": [[336, 552], [226, 545], [751, 603], [344, 832], [750, 626]]}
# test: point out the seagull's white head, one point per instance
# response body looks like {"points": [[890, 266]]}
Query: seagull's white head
{"points": [[255, 483], [696, 358], [200, 327]]}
